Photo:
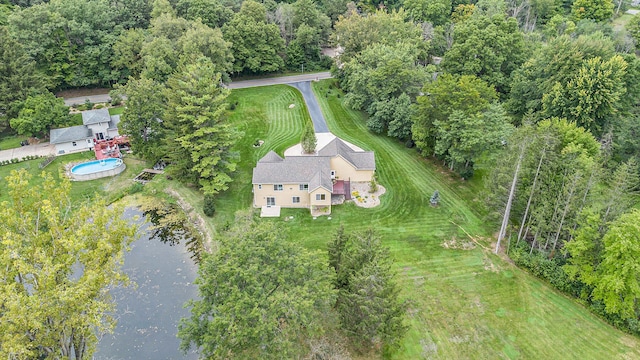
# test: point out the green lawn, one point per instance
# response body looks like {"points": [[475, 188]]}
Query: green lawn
{"points": [[80, 190], [116, 110], [10, 141], [464, 303]]}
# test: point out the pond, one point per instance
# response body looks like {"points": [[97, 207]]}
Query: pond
{"points": [[148, 314]]}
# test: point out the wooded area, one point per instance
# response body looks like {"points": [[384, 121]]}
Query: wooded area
{"points": [[540, 98]]}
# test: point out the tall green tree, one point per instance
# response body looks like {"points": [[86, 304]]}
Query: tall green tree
{"points": [[434, 12], [18, 77], [39, 114], [195, 121], [142, 117], [617, 280], [598, 10], [261, 295], [57, 262], [308, 140], [370, 309], [490, 48], [448, 93], [255, 44], [213, 13]]}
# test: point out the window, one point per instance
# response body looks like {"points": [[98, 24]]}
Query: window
{"points": [[304, 187], [277, 187], [319, 197], [271, 201], [296, 199], [333, 174], [259, 186], [74, 143]]}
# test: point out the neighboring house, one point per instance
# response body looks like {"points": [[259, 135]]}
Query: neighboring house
{"points": [[96, 125], [309, 181]]}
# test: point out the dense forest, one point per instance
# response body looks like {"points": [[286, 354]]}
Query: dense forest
{"points": [[539, 97]]}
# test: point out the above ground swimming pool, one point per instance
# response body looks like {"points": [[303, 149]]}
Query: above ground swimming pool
{"points": [[97, 169]]}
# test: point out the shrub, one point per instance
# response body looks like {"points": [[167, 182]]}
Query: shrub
{"points": [[99, 106], [135, 188], [88, 104], [208, 207]]}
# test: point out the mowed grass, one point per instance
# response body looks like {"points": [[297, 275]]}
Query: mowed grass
{"points": [[80, 190], [10, 141], [464, 304]]}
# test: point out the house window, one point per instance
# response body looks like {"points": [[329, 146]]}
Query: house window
{"points": [[259, 186], [74, 143], [271, 201], [333, 174], [100, 136], [296, 199], [304, 187], [319, 197], [277, 187]]}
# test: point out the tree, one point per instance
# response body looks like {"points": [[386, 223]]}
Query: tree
{"points": [[57, 262], [371, 312], [592, 97], [70, 40], [200, 40], [381, 73], [127, 53], [598, 10], [261, 295], [308, 140], [213, 13], [633, 28], [142, 117], [39, 114], [435, 12], [617, 281], [441, 98], [489, 48], [355, 33], [195, 120], [256, 45], [393, 116], [18, 77]]}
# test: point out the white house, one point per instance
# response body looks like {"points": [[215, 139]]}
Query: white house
{"points": [[96, 125]]}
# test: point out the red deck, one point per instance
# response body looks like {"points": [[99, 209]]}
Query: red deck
{"points": [[342, 187], [105, 149]]}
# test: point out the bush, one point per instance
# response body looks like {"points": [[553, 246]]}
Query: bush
{"points": [[135, 188], [208, 207], [88, 104], [99, 106]]}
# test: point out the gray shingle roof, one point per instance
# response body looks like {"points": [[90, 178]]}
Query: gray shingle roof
{"points": [[95, 116], [72, 133], [115, 120], [312, 170], [362, 160]]}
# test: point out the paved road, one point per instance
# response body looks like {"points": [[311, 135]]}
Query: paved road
{"points": [[234, 85], [319, 123], [279, 80]]}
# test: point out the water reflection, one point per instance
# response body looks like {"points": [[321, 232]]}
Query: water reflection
{"points": [[148, 315]]}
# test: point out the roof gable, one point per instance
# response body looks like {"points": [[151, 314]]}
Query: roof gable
{"points": [[96, 116], [73, 133], [361, 160]]}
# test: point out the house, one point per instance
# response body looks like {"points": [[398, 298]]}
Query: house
{"points": [[96, 125], [310, 181]]}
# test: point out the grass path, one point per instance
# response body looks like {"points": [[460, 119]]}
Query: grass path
{"points": [[465, 304]]}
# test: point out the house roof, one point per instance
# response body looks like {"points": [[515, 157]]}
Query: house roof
{"points": [[361, 160], [95, 116], [315, 171], [67, 134], [115, 120]]}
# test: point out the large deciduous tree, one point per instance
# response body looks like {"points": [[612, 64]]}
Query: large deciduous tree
{"points": [[18, 77], [255, 44], [142, 118], [598, 10], [261, 295], [195, 121], [57, 262], [448, 93], [39, 114], [489, 48]]}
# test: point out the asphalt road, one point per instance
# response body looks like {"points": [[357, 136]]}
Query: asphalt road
{"points": [[234, 85], [319, 123]]}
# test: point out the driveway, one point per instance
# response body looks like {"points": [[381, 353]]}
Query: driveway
{"points": [[319, 123], [279, 80], [44, 149]]}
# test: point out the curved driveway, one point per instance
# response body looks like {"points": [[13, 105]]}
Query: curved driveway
{"points": [[319, 123]]}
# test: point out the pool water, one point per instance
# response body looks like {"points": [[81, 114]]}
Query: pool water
{"points": [[96, 166]]}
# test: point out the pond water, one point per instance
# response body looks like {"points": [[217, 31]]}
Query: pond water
{"points": [[148, 314]]}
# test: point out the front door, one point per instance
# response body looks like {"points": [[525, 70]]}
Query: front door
{"points": [[271, 201]]}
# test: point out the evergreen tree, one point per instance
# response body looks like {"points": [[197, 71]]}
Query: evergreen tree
{"points": [[308, 140]]}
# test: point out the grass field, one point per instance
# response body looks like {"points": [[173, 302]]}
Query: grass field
{"points": [[10, 141], [465, 304], [80, 190]]}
